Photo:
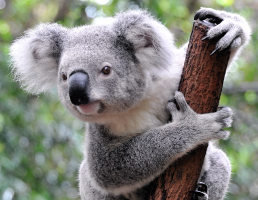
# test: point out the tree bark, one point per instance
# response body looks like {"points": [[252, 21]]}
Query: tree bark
{"points": [[201, 83]]}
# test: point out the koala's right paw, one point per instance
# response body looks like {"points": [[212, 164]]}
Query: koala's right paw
{"points": [[232, 28]]}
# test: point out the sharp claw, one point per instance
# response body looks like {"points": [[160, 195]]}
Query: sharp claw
{"points": [[196, 194], [206, 37], [215, 51], [202, 187], [200, 191], [196, 16]]}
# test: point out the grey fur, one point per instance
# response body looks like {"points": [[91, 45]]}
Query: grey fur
{"points": [[129, 142]]}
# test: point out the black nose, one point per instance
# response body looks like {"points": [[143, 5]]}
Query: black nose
{"points": [[78, 86]]}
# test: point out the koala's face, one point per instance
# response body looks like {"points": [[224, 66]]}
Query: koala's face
{"points": [[99, 74], [101, 69]]}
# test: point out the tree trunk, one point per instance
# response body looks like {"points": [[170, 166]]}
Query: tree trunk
{"points": [[201, 83]]}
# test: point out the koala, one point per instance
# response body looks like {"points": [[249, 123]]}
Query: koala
{"points": [[121, 78]]}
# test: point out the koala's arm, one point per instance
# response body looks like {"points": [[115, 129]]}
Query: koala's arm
{"points": [[136, 162], [232, 29]]}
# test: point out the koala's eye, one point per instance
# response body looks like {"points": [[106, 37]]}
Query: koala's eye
{"points": [[64, 77], [106, 70]]}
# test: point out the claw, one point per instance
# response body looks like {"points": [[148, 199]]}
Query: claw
{"points": [[217, 49], [198, 195], [200, 192], [202, 187], [206, 37], [196, 16]]}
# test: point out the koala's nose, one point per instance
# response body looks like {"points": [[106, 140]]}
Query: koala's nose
{"points": [[78, 86]]}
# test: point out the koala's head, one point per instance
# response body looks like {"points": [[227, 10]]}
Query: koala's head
{"points": [[98, 69]]}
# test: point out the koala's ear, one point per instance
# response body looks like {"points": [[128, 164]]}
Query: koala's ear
{"points": [[151, 42], [35, 57]]}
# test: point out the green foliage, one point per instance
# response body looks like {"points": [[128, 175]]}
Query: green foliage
{"points": [[40, 143]]}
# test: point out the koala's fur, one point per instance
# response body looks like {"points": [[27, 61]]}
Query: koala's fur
{"points": [[129, 141]]}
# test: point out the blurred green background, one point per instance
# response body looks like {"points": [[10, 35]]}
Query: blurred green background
{"points": [[41, 144]]}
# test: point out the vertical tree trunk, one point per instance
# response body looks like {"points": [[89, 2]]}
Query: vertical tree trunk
{"points": [[201, 83]]}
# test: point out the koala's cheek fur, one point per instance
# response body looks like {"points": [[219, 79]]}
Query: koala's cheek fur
{"points": [[122, 93]]}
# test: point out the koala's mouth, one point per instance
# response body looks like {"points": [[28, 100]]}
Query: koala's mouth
{"points": [[90, 108]]}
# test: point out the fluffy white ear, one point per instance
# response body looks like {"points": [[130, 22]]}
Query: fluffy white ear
{"points": [[151, 42], [35, 57]]}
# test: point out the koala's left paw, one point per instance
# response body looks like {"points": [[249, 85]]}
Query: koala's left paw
{"points": [[215, 122], [232, 28], [200, 192]]}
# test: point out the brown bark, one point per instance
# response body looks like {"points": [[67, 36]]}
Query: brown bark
{"points": [[201, 83]]}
